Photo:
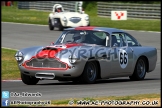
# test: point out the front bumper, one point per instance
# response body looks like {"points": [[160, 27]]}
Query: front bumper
{"points": [[57, 23], [71, 72]]}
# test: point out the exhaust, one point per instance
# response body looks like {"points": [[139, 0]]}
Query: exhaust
{"points": [[45, 75]]}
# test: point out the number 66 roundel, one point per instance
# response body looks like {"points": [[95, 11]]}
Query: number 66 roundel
{"points": [[123, 58]]}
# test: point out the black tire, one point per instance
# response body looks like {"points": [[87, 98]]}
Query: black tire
{"points": [[29, 80], [51, 27], [140, 70], [77, 80], [61, 28], [90, 73], [88, 24]]}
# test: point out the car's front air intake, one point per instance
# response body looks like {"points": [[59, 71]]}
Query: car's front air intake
{"points": [[45, 75], [45, 63], [75, 19]]}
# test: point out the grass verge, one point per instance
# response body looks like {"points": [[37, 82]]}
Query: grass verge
{"points": [[12, 14], [9, 67]]}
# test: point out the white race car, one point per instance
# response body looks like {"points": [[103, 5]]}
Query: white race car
{"points": [[62, 19]]}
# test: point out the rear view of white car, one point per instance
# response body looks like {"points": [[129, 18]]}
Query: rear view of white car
{"points": [[62, 19]]}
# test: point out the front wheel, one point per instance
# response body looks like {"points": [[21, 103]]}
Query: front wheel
{"points": [[29, 80], [88, 24], [61, 28], [51, 27], [90, 73], [140, 70]]}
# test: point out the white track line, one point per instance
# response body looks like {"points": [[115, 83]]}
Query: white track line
{"points": [[47, 25], [10, 48], [11, 80], [25, 24]]}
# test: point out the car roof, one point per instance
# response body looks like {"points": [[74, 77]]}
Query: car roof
{"points": [[106, 29]]}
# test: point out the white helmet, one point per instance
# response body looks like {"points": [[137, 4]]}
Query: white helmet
{"points": [[58, 8]]}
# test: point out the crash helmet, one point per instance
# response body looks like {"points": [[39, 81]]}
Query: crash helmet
{"points": [[79, 38], [59, 8]]}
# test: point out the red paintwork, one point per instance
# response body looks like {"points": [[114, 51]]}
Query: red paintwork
{"points": [[85, 28], [50, 54], [73, 44]]}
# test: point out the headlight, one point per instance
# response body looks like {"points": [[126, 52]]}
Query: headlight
{"points": [[72, 59], [64, 19], [86, 18], [19, 56]]}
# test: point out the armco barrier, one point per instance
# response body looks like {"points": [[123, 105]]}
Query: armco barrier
{"points": [[46, 5], [145, 11]]}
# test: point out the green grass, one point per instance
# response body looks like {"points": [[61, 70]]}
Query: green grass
{"points": [[12, 14], [9, 68]]}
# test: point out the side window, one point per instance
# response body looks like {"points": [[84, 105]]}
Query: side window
{"points": [[100, 38], [131, 41], [123, 42], [118, 39], [115, 40]]}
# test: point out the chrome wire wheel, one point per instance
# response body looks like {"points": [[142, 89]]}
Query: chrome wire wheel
{"points": [[141, 68], [91, 72]]}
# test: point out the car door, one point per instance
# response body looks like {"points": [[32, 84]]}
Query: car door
{"points": [[121, 55], [102, 52]]}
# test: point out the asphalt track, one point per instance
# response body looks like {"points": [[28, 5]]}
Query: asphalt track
{"points": [[19, 36]]}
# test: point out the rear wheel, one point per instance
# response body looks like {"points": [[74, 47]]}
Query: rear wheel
{"points": [[51, 27], [90, 73], [29, 80], [140, 70]]}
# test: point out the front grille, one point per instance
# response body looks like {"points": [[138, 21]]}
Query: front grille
{"points": [[45, 63], [75, 19]]}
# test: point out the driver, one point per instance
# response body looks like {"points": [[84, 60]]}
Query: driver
{"points": [[79, 38], [59, 8]]}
